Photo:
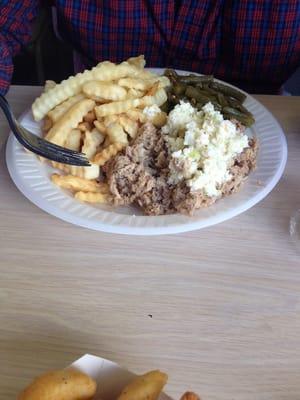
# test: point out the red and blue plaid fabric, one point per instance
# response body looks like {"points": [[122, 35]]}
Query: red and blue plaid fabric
{"points": [[254, 44]]}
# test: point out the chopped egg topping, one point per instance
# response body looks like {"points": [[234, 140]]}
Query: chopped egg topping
{"points": [[203, 146]]}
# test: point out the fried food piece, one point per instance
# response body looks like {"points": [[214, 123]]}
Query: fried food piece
{"points": [[110, 119], [164, 81], [90, 117], [136, 115], [138, 62], [137, 83], [104, 91], [68, 384], [130, 126], [49, 85], [103, 156], [155, 95], [104, 71], [134, 94], [116, 134], [57, 112], [84, 126], [143, 74], [91, 172], [92, 141], [90, 197], [117, 107], [190, 396], [145, 387], [61, 129], [76, 184], [100, 126], [107, 142], [73, 141], [47, 124]]}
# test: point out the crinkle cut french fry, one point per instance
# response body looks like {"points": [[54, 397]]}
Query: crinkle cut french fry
{"points": [[135, 94], [109, 120], [60, 130], [117, 107], [76, 184], [138, 62], [143, 74], [91, 197], [105, 71], [92, 141], [164, 81], [90, 117], [137, 83], [100, 126], [153, 89], [84, 126], [62, 108], [73, 141], [107, 142], [159, 98], [137, 115], [116, 133], [91, 172], [106, 154], [47, 124], [104, 91], [49, 85], [130, 126]]}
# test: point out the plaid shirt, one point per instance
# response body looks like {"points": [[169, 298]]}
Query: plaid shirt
{"points": [[254, 44]]}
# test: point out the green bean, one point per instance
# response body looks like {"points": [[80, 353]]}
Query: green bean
{"points": [[199, 85], [173, 99], [199, 105], [231, 110], [192, 92], [166, 107], [201, 89], [179, 89], [216, 105], [228, 91], [172, 75], [208, 93], [245, 119], [194, 79], [237, 105], [207, 88], [222, 100], [239, 110]]}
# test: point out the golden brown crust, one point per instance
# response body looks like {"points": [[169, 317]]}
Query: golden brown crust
{"points": [[67, 384], [190, 396], [145, 387]]}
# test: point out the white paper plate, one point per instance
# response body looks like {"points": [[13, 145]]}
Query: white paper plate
{"points": [[110, 377], [33, 180]]}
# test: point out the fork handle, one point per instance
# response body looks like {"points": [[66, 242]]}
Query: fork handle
{"points": [[7, 112]]}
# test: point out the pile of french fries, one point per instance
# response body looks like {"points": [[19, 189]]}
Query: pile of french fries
{"points": [[98, 112]]}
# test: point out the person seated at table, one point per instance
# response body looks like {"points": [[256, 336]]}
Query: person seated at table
{"points": [[254, 44]]}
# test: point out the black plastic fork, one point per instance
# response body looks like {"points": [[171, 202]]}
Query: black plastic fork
{"points": [[39, 145]]}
